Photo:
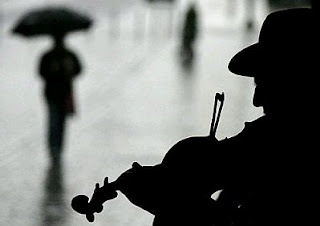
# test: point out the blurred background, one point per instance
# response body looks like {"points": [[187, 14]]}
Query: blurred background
{"points": [[136, 97]]}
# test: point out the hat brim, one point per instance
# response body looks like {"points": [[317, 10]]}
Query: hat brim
{"points": [[249, 61]]}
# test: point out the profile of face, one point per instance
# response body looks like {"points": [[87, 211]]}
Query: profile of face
{"points": [[275, 93], [267, 95], [259, 93]]}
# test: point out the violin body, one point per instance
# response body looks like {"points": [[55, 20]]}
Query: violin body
{"points": [[188, 163]]}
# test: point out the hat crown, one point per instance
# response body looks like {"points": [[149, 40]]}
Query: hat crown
{"points": [[287, 41], [292, 28]]}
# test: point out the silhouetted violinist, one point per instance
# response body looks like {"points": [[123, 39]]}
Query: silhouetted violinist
{"points": [[268, 172]]}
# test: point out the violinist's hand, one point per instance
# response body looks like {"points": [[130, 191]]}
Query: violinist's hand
{"points": [[139, 185], [105, 193], [127, 180]]}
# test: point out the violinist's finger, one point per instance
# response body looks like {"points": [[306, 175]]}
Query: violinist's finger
{"points": [[97, 186]]}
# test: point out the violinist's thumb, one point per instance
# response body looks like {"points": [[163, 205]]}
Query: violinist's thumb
{"points": [[129, 175]]}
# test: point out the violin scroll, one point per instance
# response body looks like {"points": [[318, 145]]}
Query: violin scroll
{"points": [[82, 205]]}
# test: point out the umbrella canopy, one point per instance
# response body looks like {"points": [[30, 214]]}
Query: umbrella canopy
{"points": [[51, 21]]}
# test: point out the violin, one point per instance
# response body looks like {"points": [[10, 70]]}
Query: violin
{"points": [[108, 191], [82, 205], [176, 161]]}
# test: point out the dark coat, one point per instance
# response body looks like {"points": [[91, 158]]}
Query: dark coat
{"points": [[190, 27], [58, 67]]}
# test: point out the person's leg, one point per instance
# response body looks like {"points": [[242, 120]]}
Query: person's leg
{"points": [[56, 128]]}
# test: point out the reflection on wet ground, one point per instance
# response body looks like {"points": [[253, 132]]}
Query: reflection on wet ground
{"points": [[54, 203]]}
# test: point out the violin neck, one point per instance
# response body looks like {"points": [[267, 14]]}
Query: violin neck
{"points": [[113, 186]]}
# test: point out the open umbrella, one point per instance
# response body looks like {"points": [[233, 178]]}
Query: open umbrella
{"points": [[51, 21]]}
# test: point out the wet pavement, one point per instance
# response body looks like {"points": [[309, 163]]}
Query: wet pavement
{"points": [[134, 101]]}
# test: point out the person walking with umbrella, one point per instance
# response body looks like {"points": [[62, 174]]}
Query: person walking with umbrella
{"points": [[58, 67]]}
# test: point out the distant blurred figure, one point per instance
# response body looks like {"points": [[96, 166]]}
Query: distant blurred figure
{"points": [[189, 34], [250, 17], [58, 67]]}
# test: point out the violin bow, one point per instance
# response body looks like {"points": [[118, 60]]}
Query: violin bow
{"points": [[215, 119]]}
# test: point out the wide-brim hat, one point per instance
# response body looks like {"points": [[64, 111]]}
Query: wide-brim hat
{"points": [[288, 39]]}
